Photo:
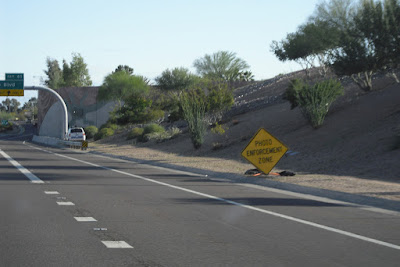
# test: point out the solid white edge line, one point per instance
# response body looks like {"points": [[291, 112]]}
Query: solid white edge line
{"points": [[321, 199], [153, 167], [316, 225], [34, 179]]}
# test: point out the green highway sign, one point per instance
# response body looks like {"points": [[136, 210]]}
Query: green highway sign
{"points": [[14, 76], [10, 85], [13, 85]]}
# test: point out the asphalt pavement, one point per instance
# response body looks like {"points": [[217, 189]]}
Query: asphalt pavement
{"points": [[66, 208]]}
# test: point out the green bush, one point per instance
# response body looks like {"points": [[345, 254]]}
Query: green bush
{"points": [[91, 131], [105, 132], [175, 79], [153, 128], [6, 116], [314, 101], [219, 99], [134, 110], [162, 136], [155, 115], [292, 92], [110, 125], [171, 105], [135, 133]]}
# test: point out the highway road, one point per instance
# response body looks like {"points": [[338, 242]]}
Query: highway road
{"points": [[67, 208]]}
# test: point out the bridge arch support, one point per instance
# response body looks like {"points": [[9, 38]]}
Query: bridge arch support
{"points": [[63, 106]]}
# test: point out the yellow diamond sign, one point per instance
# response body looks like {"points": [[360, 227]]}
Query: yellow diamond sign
{"points": [[264, 151]]}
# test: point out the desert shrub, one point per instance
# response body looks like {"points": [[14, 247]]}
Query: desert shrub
{"points": [[163, 136], [6, 115], [153, 128], [219, 129], [219, 99], [105, 132], [174, 131], [157, 136], [167, 102], [110, 125], [134, 110], [194, 109], [314, 101], [172, 106], [175, 79], [292, 92], [91, 131], [149, 132], [155, 115], [135, 133]]}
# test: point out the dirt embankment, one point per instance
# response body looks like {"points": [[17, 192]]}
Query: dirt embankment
{"points": [[354, 151]]}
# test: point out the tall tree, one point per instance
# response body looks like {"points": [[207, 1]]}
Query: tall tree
{"points": [[14, 105], [337, 13], [76, 74], [313, 42], [355, 41], [370, 43], [31, 106], [119, 85], [222, 65], [7, 104], [309, 46], [125, 68], [54, 74], [175, 79]]}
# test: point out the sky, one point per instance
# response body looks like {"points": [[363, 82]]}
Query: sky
{"points": [[148, 35]]}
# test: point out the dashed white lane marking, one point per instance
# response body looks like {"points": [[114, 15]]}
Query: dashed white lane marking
{"points": [[290, 218], [51, 192], [34, 179], [85, 219], [116, 244], [65, 203]]}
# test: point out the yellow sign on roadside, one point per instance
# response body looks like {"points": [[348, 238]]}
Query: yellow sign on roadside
{"points": [[85, 145], [264, 151], [12, 92]]}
